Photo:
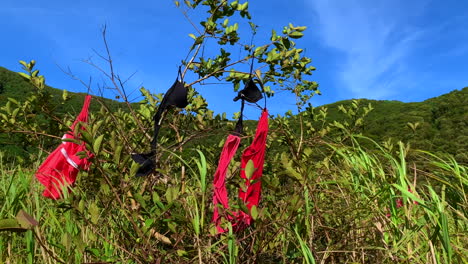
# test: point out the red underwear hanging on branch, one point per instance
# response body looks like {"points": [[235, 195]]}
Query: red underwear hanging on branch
{"points": [[251, 190], [59, 170]]}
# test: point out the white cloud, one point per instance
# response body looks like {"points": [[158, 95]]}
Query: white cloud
{"points": [[375, 40]]}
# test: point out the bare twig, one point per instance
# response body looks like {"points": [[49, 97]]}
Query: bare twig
{"points": [[35, 133], [52, 254]]}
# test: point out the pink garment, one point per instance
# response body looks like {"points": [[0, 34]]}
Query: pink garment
{"points": [[256, 153], [61, 167], [251, 197], [220, 196]]}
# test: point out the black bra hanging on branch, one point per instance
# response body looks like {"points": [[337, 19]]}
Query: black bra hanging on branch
{"points": [[175, 96], [250, 93]]}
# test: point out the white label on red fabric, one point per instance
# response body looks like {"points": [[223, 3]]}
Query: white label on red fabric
{"points": [[69, 160]]}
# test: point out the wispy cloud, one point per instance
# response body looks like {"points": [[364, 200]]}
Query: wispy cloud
{"points": [[375, 40]]}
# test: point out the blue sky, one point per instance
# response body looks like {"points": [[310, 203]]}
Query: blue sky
{"points": [[387, 49]]}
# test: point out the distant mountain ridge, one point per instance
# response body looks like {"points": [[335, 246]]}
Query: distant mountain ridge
{"points": [[12, 85], [436, 124]]}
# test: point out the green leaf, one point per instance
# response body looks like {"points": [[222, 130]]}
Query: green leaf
{"points": [[274, 35], [249, 169], [243, 187], [172, 193], [15, 112], [181, 253], [253, 27], [23, 63], [254, 212], [117, 153], [134, 168], [234, 4], [259, 51], [286, 43], [409, 194], [140, 199], [10, 225], [296, 35], [202, 169], [94, 212], [76, 141], [24, 75], [81, 206], [338, 125], [192, 36], [85, 135], [243, 7], [13, 100], [258, 73], [105, 188], [8, 107], [300, 29], [290, 171], [97, 144], [65, 95], [66, 240], [199, 40], [156, 197], [94, 251]]}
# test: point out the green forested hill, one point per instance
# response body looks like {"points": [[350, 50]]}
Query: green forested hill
{"points": [[436, 124], [12, 85]]}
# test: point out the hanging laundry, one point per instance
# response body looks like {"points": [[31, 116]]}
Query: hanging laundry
{"points": [[251, 196], [250, 93], [255, 152], [59, 170], [175, 96], [220, 195]]}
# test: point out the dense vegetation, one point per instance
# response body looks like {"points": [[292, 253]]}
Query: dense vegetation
{"points": [[438, 124], [342, 183]]}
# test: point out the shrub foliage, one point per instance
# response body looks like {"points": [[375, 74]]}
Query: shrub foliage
{"points": [[329, 193]]}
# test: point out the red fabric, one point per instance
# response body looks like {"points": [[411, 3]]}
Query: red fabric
{"points": [[251, 197], [220, 196], [256, 153], [61, 167]]}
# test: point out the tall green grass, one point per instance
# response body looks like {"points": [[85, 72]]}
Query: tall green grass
{"points": [[354, 206]]}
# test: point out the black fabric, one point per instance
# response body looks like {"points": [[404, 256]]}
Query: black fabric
{"points": [[238, 131], [147, 163], [175, 96], [250, 93]]}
